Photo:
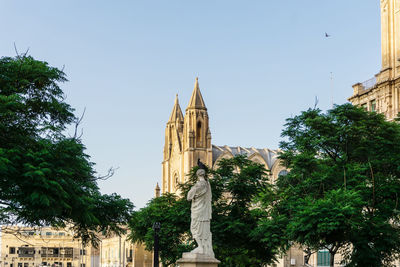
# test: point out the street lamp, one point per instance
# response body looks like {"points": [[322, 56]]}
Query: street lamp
{"points": [[156, 228]]}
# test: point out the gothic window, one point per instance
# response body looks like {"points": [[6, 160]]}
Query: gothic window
{"points": [[198, 134], [176, 180]]}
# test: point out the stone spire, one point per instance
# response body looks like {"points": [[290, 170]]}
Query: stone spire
{"points": [[157, 191], [176, 114], [196, 101]]}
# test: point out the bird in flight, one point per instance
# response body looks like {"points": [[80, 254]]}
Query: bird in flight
{"points": [[327, 35]]}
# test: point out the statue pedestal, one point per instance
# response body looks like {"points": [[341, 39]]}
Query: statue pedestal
{"points": [[197, 260]]}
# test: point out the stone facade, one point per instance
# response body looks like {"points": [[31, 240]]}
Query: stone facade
{"points": [[188, 138], [118, 251], [44, 247], [382, 93]]}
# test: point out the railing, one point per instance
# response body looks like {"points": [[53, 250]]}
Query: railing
{"points": [[368, 84], [26, 252], [57, 252]]}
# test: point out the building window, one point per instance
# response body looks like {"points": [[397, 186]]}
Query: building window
{"points": [[26, 264], [83, 265], [373, 105], [69, 264], [19, 264], [83, 251], [176, 180], [198, 134], [364, 106], [323, 258], [12, 250]]}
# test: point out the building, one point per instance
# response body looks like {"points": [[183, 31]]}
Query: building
{"points": [[29, 247], [188, 138], [118, 251], [381, 93]]}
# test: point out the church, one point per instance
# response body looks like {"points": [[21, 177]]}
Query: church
{"points": [[188, 138]]}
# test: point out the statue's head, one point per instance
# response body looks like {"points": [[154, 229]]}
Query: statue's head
{"points": [[201, 173]]}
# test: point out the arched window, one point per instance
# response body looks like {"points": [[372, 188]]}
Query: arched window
{"points": [[176, 180], [198, 133]]}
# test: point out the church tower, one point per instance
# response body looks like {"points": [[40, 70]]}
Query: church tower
{"points": [[173, 149], [187, 139], [196, 132], [382, 92]]}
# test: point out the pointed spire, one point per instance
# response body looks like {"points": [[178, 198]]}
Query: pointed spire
{"points": [[176, 112], [157, 191], [196, 101]]}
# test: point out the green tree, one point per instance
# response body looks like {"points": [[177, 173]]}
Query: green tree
{"points": [[174, 215], [236, 184], [342, 190], [46, 177]]}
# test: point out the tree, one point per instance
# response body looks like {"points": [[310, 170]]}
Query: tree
{"points": [[235, 184], [174, 215], [46, 177], [342, 190]]}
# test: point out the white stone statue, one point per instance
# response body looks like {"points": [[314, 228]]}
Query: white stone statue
{"points": [[200, 195]]}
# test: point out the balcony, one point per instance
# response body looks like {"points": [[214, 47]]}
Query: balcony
{"points": [[360, 88], [26, 252], [368, 84], [57, 252]]}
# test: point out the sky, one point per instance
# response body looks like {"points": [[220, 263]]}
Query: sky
{"points": [[258, 62]]}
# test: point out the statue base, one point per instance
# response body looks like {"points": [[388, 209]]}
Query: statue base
{"points": [[197, 260]]}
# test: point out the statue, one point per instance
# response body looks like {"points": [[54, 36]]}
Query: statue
{"points": [[200, 195]]}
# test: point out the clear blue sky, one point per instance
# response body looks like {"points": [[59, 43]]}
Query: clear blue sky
{"points": [[258, 63]]}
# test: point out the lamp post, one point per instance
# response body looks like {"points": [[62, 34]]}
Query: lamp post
{"points": [[156, 228]]}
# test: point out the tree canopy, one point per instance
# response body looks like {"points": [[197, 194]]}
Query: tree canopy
{"points": [[342, 191], [46, 179], [236, 184]]}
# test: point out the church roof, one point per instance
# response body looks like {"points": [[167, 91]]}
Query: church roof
{"points": [[268, 155], [196, 101], [176, 112]]}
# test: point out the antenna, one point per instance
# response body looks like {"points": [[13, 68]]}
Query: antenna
{"points": [[331, 89]]}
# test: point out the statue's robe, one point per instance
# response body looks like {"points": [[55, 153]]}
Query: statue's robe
{"points": [[200, 195]]}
